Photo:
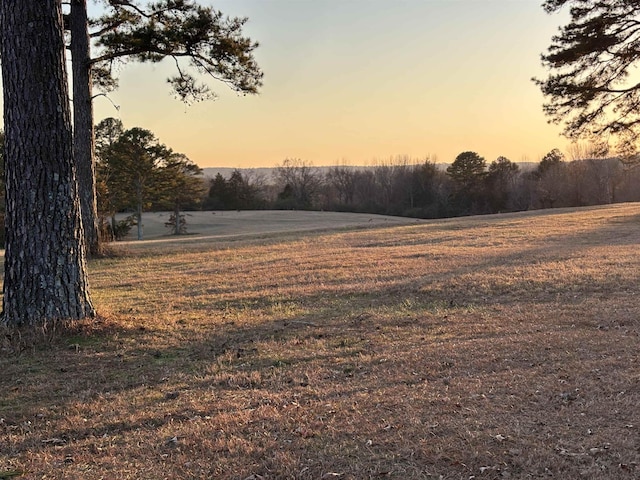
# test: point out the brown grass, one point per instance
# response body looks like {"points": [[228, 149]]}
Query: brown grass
{"points": [[486, 347]]}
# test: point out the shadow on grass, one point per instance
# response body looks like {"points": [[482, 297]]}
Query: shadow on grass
{"points": [[401, 381]]}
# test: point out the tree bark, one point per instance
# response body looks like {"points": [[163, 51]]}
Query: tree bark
{"points": [[176, 219], [83, 134], [45, 270], [139, 189]]}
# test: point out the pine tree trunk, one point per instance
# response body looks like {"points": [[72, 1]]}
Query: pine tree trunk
{"points": [[177, 230], [45, 271], [139, 208], [83, 136]]}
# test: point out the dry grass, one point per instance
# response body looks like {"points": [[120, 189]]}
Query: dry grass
{"points": [[486, 347]]}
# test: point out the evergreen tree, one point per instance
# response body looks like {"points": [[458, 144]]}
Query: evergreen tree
{"points": [[237, 191], [591, 87], [180, 185], [501, 179], [138, 172], [468, 169], [45, 276], [218, 194], [133, 166], [109, 199], [551, 180], [467, 172], [107, 132], [551, 160]]}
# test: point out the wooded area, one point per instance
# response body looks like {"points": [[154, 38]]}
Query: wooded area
{"points": [[426, 189]]}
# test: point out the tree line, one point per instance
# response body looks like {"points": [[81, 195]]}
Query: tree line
{"points": [[425, 189], [135, 172]]}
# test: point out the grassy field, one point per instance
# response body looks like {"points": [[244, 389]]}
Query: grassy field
{"points": [[232, 224], [477, 348]]}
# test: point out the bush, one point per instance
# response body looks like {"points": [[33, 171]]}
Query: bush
{"points": [[117, 230], [178, 227]]}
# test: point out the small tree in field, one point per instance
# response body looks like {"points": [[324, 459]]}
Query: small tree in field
{"points": [[180, 184], [177, 224]]}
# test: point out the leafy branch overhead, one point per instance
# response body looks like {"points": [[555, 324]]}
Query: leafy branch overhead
{"points": [[199, 39], [592, 88]]}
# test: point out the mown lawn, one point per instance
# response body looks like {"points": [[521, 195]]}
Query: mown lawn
{"points": [[488, 347]]}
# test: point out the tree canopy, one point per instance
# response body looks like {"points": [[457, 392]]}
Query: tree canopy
{"points": [[467, 169], [503, 167], [136, 171], [551, 160], [592, 88], [199, 40], [299, 182]]}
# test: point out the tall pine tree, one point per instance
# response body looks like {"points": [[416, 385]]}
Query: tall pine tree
{"points": [[45, 276], [591, 88]]}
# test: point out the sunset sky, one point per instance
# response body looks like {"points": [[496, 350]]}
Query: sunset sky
{"points": [[362, 81]]}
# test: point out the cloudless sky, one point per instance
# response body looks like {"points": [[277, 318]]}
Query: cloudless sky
{"points": [[362, 81]]}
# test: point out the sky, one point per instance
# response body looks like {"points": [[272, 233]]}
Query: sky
{"points": [[359, 82]]}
